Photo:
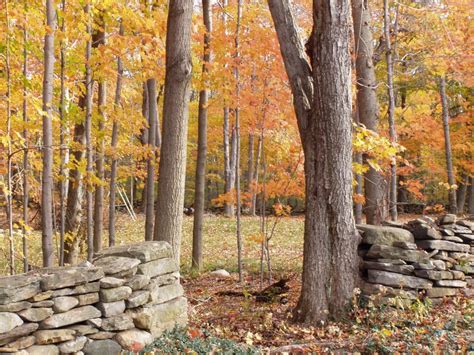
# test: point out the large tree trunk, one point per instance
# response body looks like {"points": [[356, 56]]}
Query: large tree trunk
{"points": [[367, 104], [447, 145], [150, 164], [200, 182], [47, 178], [175, 125], [391, 113], [113, 165], [330, 247], [98, 39]]}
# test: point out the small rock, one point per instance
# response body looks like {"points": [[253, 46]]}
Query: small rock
{"points": [[458, 275], [15, 333], [451, 283], [18, 288], [164, 293], [15, 307], [83, 329], [111, 309], [220, 274], [144, 251], [72, 346], [102, 335], [43, 304], [385, 251], [392, 261], [35, 314], [42, 350], [88, 298], [111, 282], [115, 294], [437, 292], [453, 239], [467, 238], [75, 315], [138, 298], [64, 304], [384, 235], [158, 267], [439, 264], [424, 265], [96, 322], [134, 340], [60, 277], [447, 219], [401, 269], [102, 347], [9, 321], [120, 322], [138, 282], [405, 245], [398, 280], [442, 245], [116, 264], [42, 296], [434, 275], [45, 337]]}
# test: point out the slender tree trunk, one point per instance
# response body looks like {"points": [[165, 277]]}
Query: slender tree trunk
{"points": [[200, 181], [150, 177], [253, 207], [367, 104], [175, 125], [98, 39], [447, 146], [88, 128], [144, 139], [26, 167], [391, 113], [461, 193], [470, 199], [359, 177], [114, 163], [250, 161], [47, 178]]}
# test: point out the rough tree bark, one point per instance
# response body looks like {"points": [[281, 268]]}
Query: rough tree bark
{"points": [[461, 194], [114, 162], [175, 125], [150, 164], [250, 162], [470, 199], [447, 145], [26, 167], [367, 104], [200, 181], [330, 244], [47, 177]]}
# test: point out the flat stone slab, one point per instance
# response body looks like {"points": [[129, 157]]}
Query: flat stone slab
{"points": [[42, 350], [45, 337], [88, 298], [144, 251], [384, 235], [120, 322], [9, 321], [398, 280], [111, 309], [35, 314], [64, 304], [438, 292], [101, 347], [382, 290], [434, 274], [78, 290], [111, 282], [18, 288], [115, 294], [134, 339], [442, 245], [116, 264], [451, 283], [138, 298], [61, 277], [15, 307], [401, 269], [138, 282], [20, 343], [73, 346], [386, 251], [158, 267], [73, 316], [15, 333]]}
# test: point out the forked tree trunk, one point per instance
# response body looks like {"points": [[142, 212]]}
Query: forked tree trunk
{"points": [[171, 181], [367, 104], [447, 146], [200, 181], [150, 165], [47, 177]]}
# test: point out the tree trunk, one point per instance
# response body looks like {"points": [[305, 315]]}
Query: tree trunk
{"points": [[47, 178], [114, 163], [200, 182], [470, 200], [359, 178], [250, 161], [228, 163], [88, 129], [150, 175], [391, 113], [175, 125], [461, 194], [447, 146], [26, 167], [253, 207], [144, 138], [98, 39], [367, 104]]}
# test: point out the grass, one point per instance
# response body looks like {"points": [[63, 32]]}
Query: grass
{"points": [[220, 243]]}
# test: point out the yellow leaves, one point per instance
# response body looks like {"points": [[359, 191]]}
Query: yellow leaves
{"points": [[282, 210]]}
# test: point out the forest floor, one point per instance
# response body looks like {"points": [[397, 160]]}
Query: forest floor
{"points": [[422, 328]]}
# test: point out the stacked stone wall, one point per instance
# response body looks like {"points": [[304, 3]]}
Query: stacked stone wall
{"points": [[126, 298]]}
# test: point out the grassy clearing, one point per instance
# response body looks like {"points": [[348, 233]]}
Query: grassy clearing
{"points": [[220, 249]]}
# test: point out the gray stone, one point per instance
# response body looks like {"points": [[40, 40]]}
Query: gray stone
{"points": [[446, 259], [120, 322], [464, 257], [18, 288], [111, 282], [405, 245], [20, 343], [384, 235], [116, 264], [163, 294], [64, 304], [158, 318], [112, 308], [134, 340], [466, 223], [424, 231], [392, 261], [166, 279], [446, 232], [439, 264], [15, 333], [78, 290], [102, 335], [83, 329], [102, 347], [138, 298], [72, 346], [42, 350], [60, 277], [451, 283], [137, 282], [125, 274], [52, 336], [15, 307], [386, 251], [458, 275], [9, 321], [220, 274], [447, 219], [158, 267], [35, 314], [75, 315], [466, 269], [96, 322], [42, 296], [144, 251], [382, 290], [468, 238], [401, 269], [438, 292], [434, 275], [442, 245], [453, 239], [88, 298], [425, 265], [397, 280], [115, 294], [43, 304]]}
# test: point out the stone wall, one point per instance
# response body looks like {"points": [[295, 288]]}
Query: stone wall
{"points": [[422, 258], [123, 301]]}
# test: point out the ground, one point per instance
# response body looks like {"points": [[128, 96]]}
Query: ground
{"points": [[423, 328]]}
